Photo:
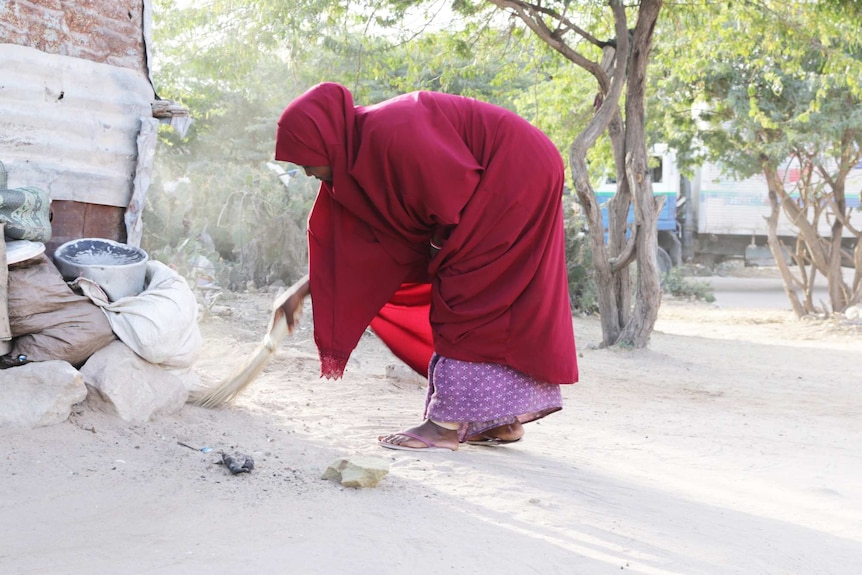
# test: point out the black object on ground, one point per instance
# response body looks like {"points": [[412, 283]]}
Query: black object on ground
{"points": [[238, 463]]}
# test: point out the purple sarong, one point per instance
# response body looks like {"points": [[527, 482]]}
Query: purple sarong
{"points": [[481, 396]]}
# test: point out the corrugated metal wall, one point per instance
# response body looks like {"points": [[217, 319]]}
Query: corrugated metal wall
{"points": [[69, 126], [74, 88]]}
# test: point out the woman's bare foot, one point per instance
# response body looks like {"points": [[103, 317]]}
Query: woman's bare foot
{"points": [[425, 437], [509, 433]]}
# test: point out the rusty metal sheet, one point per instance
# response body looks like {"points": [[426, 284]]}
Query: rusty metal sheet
{"points": [[74, 220], [106, 31]]}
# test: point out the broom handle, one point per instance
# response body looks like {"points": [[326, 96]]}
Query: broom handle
{"points": [[288, 307], [277, 332]]}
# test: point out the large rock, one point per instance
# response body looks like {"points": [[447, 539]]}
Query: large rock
{"points": [[135, 389], [357, 471], [39, 393]]}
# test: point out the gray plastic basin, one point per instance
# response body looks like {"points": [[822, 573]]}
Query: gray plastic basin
{"points": [[119, 269]]}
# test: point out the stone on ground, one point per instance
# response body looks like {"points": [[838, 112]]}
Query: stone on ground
{"points": [[39, 393], [357, 471], [135, 389]]}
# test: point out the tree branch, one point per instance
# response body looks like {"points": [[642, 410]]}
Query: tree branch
{"points": [[628, 254], [532, 15]]}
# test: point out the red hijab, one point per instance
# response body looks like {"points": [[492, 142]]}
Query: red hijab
{"points": [[427, 164]]}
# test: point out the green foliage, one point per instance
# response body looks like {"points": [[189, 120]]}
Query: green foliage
{"points": [[559, 101], [244, 221], [214, 201], [746, 84], [217, 43], [760, 84], [579, 265], [677, 284]]}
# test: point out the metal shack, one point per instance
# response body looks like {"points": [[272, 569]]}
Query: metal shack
{"points": [[78, 111]]}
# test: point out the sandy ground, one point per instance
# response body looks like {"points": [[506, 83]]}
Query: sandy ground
{"points": [[732, 445]]}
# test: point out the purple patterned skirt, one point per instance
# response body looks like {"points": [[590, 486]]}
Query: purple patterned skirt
{"points": [[481, 396]]}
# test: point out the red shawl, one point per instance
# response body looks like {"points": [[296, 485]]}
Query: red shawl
{"points": [[426, 165]]}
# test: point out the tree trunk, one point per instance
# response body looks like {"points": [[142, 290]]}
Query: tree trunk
{"points": [[638, 329], [618, 211], [773, 181], [823, 255], [607, 294], [839, 293], [612, 74]]}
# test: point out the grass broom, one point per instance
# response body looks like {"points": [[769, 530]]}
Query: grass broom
{"points": [[228, 390]]}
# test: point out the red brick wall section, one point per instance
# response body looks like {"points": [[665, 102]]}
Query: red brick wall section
{"points": [[105, 31]]}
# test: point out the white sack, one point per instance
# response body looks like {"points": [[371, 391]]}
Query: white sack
{"points": [[159, 324]]}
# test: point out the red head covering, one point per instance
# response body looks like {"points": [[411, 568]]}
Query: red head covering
{"points": [[428, 164]]}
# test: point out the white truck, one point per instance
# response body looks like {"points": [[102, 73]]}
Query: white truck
{"points": [[711, 217]]}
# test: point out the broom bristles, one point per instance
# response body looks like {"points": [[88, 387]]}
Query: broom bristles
{"points": [[230, 388]]}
